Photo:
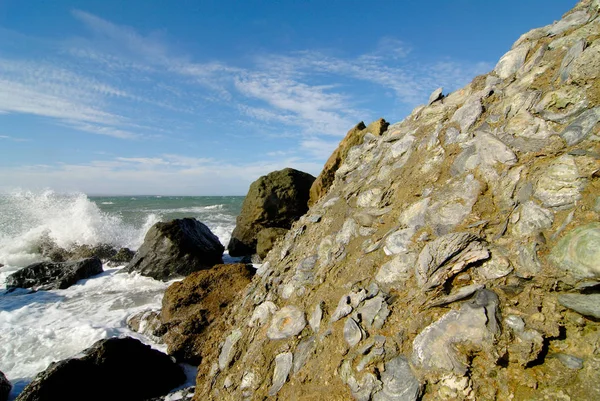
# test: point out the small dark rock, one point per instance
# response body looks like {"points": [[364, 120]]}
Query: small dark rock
{"points": [[176, 248], [5, 387], [113, 369], [123, 256], [53, 276]]}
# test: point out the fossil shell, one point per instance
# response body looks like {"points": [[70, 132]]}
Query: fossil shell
{"points": [[288, 321]]}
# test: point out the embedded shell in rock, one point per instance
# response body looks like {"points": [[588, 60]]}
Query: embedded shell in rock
{"points": [[288, 321]]}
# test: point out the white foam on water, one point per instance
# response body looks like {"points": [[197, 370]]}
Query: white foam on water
{"points": [[39, 328]]}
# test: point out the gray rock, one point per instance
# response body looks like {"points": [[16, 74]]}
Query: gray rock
{"points": [[530, 219], [343, 309], [581, 127], [373, 311], [369, 198], [572, 54], [467, 114], [54, 276], [283, 365], [570, 21], [176, 248], [315, 318], [579, 251], [288, 321], [496, 267], [451, 204], [585, 304], [529, 264], [435, 96], [303, 352], [228, 351], [461, 293], [570, 361], [352, 332], [560, 185], [512, 61], [396, 271], [399, 382], [262, 313], [398, 241], [474, 324], [446, 256]]}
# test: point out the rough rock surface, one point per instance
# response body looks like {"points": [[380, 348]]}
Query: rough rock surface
{"points": [[274, 200], [438, 264], [266, 238], [54, 276], [353, 138], [112, 369], [190, 307], [5, 387], [176, 248]]}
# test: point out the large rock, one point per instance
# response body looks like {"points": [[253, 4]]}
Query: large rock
{"points": [[274, 200], [54, 276], [353, 138], [112, 369], [176, 248], [191, 306], [266, 238], [5, 387]]}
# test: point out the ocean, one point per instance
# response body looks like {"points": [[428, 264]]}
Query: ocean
{"points": [[46, 326]]}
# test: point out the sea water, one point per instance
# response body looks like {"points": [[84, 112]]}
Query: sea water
{"points": [[46, 326]]}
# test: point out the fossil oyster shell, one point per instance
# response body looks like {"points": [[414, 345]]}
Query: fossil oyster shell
{"points": [[283, 364], [560, 185], [352, 332], [579, 251], [288, 321], [229, 349], [303, 352], [262, 313], [399, 383]]}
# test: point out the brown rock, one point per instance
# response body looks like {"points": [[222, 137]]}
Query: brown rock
{"points": [[274, 200], [192, 305], [353, 137], [266, 238]]}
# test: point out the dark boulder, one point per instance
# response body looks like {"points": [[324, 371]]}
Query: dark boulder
{"points": [[274, 200], [266, 238], [54, 276], [191, 308], [176, 248], [5, 387], [112, 369], [123, 256]]}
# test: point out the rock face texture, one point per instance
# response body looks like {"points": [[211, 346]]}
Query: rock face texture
{"points": [[353, 138], [274, 200], [176, 248], [54, 276], [113, 369], [454, 257], [191, 307]]}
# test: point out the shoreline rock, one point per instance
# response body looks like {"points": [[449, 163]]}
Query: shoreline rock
{"points": [[54, 276]]}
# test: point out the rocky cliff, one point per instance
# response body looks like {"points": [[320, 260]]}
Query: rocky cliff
{"points": [[456, 256]]}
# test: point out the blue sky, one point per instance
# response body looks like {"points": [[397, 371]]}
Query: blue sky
{"points": [[202, 97]]}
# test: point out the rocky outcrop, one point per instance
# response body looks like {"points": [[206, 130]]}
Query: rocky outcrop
{"points": [[353, 138], [191, 308], [54, 276], [176, 248], [454, 257], [5, 387], [112, 369], [266, 238], [274, 200]]}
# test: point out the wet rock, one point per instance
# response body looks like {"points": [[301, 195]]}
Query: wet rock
{"points": [[585, 304], [581, 127], [447, 256], [399, 382], [54, 276], [274, 200], [560, 185], [127, 369], [266, 238], [191, 308], [229, 349], [352, 332], [473, 325], [579, 251], [262, 313], [283, 365], [5, 387], [435, 96], [147, 323], [288, 321], [122, 257], [176, 248], [512, 61]]}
